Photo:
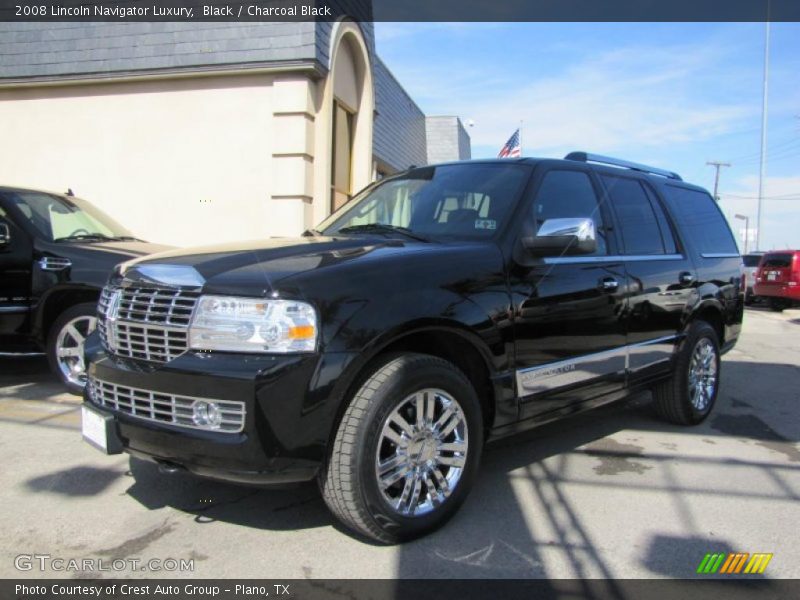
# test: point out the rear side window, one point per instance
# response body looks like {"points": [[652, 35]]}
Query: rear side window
{"points": [[644, 226], [702, 221], [778, 261]]}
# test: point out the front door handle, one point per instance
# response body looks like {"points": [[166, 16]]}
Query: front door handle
{"points": [[609, 284], [686, 278]]}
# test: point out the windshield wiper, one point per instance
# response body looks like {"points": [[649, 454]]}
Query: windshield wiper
{"points": [[84, 236], [312, 233], [383, 228]]}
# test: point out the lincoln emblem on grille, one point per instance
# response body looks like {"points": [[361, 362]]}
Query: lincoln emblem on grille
{"points": [[146, 322]]}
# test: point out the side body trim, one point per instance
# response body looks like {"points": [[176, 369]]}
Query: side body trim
{"points": [[562, 260], [630, 358], [15, 309]]}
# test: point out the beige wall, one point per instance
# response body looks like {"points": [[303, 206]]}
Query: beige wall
{"points": [[183, 162], [193, 161]]}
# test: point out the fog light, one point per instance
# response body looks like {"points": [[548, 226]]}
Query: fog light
{"points": [[206, 414]]}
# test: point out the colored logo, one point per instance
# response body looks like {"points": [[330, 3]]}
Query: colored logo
{"points": [[734, 563]]}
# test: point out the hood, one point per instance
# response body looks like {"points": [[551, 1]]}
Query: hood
{"points": [[110, 252], [258, 266]]}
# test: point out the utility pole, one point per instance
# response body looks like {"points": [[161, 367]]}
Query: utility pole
{"points": [[764, 99], [717, 164]]}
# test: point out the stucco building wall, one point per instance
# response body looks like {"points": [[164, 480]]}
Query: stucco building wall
{"points": [[192, 134]]}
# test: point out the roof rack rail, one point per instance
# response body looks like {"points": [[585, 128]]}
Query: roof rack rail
{"points": [[616, 162]]}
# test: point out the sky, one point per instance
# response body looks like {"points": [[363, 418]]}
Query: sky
{"points": [[672, 95]]}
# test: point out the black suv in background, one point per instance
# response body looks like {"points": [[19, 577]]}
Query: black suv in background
{"points": [[441, 308], [56, 252]]}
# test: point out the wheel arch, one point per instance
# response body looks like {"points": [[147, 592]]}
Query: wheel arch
{"points": [[449, 341], [710, 311], [55, 302]]}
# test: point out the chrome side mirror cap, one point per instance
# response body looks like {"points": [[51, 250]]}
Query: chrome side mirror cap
{"points": [[559, 237]]}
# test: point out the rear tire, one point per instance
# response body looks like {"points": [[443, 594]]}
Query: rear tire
{"points": [[65, 345], [688, 397], [778, 304], [406, 451]]}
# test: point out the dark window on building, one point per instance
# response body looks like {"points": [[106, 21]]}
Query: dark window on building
{"points": [[342, 168], [570, 194], [641, 231], [702, 221]]}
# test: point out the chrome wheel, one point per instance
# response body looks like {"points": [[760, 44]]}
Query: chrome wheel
{"points": [[69, 348], [702, 374], [422, 451]]}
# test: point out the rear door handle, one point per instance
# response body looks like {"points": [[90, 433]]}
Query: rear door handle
{"points": [[609, 284], [686, 278]]}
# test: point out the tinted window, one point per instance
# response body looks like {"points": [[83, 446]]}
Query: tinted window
{"points": [[701, 220], [751, 260], [778, 260], [667, 235], [569, 194], [641, 233]]}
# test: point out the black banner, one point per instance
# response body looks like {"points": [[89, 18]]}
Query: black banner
{"points": [[401, 10], [729, 588]]}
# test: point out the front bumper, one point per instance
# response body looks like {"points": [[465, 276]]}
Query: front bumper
{"points": [[290, 404]]}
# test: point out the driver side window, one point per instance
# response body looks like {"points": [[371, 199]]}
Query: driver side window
{"points": [[570, 194]]}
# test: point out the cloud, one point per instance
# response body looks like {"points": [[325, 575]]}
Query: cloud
{"points": [[630, 96], [612, 102]]}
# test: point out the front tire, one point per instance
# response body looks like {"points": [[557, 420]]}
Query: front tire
{"points": [[406, 451], [688, 397], [65, 345]]}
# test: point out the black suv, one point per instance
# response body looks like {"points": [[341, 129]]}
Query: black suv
{"points": [[441, 308], [56, 252]]}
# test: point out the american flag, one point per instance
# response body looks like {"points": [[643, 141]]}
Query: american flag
{"points": [[512, 149]]}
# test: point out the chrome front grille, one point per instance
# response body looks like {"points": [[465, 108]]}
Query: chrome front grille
{"points": [[146, 323], [158, 306], [153, 343], [164, 408], [102, 312]]}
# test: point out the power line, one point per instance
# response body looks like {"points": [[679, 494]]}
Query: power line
{"points": [[790, 144], [764, 105]]}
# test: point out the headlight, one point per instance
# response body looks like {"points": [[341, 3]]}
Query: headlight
{"points": [[234, 324]]}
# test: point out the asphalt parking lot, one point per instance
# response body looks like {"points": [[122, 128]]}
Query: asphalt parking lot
{"points": [[611, 493]]}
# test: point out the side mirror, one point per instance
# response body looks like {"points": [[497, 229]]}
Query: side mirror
{"points": [[5, 235], [563, 237]]}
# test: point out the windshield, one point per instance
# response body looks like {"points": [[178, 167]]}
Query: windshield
{"points": [[464, 201], [59, 219]]}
